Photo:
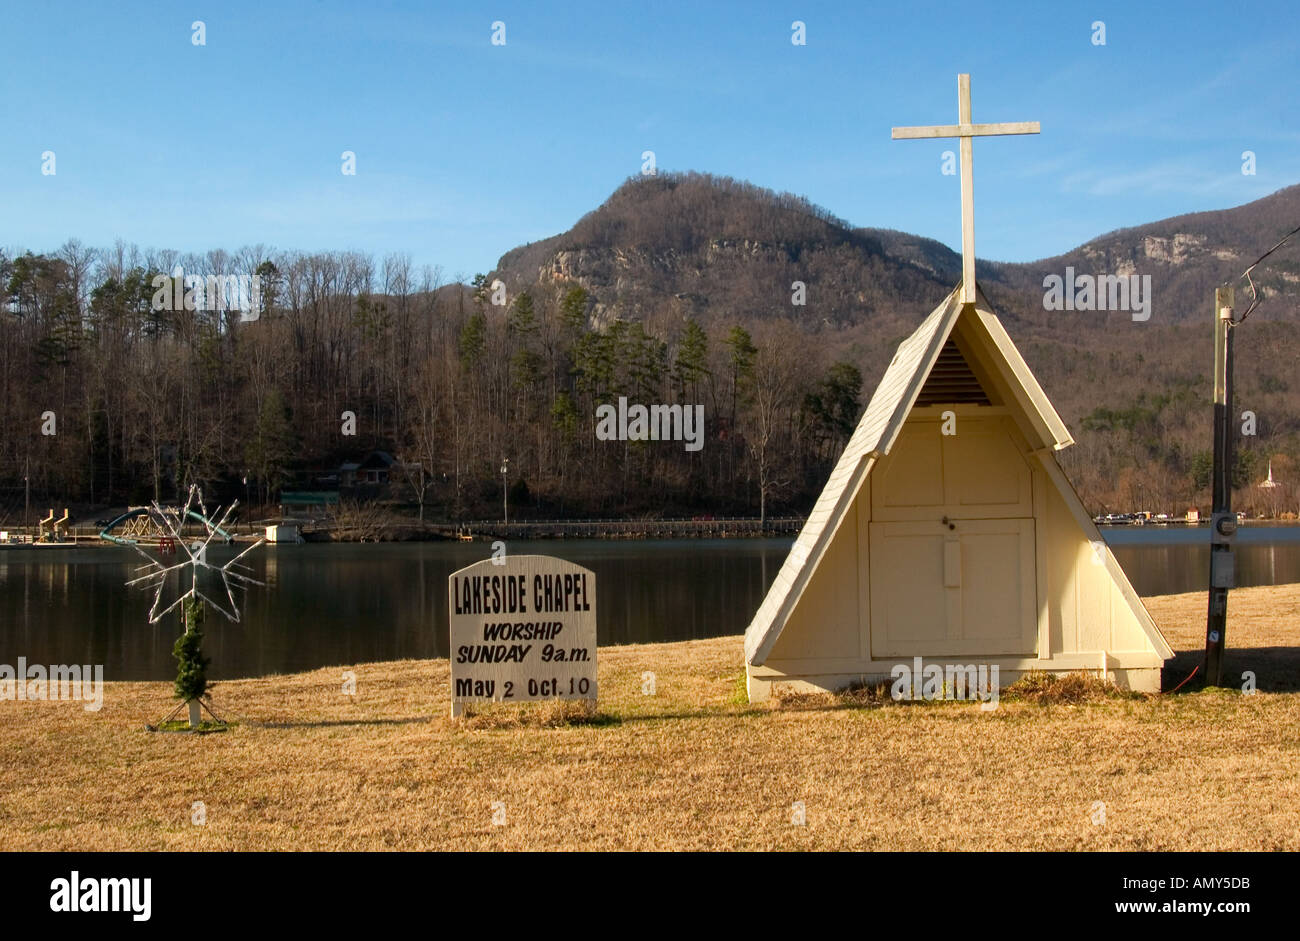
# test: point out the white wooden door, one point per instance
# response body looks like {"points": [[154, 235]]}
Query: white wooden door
{"points": [[978, 473], [965, 591], [951, 544]]}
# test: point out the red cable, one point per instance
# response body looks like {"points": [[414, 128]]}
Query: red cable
{"points": [[1189, 676]]}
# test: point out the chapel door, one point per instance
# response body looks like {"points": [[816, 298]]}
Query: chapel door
{"points": [[951, 542]]}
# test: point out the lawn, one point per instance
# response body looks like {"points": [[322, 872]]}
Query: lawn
{"points": [[692, 767]]}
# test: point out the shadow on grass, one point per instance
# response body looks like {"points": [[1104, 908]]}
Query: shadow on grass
{"points": [[335, 723], [556, 714], [182, 726], [1276, 669], [502, 720], [722, 712]]}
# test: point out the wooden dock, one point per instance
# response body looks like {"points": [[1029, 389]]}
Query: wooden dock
{"points": [[715, 528]]}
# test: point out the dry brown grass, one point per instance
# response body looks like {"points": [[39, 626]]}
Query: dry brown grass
{"points": [[1067, 689], [689, 768]]}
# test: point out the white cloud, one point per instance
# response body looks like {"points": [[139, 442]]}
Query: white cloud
{"points": [[1159, 178]]}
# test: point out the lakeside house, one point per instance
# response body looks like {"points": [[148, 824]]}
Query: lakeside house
{"points": [[373, 470], [365, 479]]}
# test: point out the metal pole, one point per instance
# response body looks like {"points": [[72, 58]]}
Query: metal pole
{"points": [[27, 500], [505, 491], [1223, 522]]}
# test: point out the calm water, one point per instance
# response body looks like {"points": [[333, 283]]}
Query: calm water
{"points": [[1170, 560], [346, 604]]}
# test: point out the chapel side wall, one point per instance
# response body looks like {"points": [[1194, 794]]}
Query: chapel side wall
{"points": [[824, 625], [1087, 610]]}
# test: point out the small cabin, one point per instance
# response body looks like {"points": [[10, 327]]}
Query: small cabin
{"points": [[372, 470]]}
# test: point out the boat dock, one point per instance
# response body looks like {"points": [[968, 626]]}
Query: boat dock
{"points": [[700, 528]]}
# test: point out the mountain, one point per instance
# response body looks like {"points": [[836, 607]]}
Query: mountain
{"points": [[1187, 257], [715, 248], [719, 251], [685, 240]]}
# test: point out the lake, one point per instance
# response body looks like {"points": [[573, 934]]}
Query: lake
{"points": [[345, 604]]}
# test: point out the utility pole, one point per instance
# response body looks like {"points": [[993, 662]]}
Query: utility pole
{"points": [[1223, 522], [505, 491], [27, 498]]}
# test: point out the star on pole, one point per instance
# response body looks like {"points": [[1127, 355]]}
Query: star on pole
{"points": [[155, 574]]}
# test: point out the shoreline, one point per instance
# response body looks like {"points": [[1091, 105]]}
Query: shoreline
{"points": [[1184, 613], [560, 530]]}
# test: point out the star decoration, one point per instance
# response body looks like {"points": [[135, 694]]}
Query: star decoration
{"points": [[172, 522]]}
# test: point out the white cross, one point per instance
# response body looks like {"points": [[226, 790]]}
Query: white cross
{"points": [[966, 130]]}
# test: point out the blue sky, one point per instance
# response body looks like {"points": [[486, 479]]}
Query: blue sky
{"points": [[465, 149]]}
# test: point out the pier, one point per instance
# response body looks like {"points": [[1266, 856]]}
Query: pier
{"points": [[701, 528]]}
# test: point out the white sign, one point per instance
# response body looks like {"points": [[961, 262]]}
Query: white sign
{"points": [[522, 631]]}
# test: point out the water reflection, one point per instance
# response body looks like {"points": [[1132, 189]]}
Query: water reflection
{"points": [[1166, 561], [347, 604]]}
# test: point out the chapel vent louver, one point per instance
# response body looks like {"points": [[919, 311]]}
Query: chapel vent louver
{"points": [[951, 381]]}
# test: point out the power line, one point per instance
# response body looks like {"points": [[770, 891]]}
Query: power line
{"points": [[1254, 295]]}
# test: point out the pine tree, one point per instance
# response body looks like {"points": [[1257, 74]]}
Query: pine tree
{"points": [[191, 665], [832, 406], [573, 311], [473, 341], [741, 357], [691, 364]]}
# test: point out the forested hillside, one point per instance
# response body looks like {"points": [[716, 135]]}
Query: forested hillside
{"points": [[775, 316]]}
